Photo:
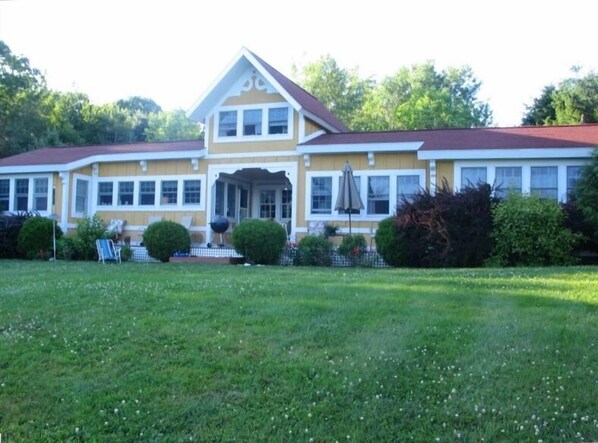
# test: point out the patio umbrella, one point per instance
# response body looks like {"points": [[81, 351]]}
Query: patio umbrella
{"points": [[348, 199]]}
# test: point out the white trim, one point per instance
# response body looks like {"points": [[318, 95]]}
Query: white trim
{"points": [[504, 154], [86, 212], [526, 166], [348, 148], [334, 216], [30, 192], [265, 136], [244, 155]]}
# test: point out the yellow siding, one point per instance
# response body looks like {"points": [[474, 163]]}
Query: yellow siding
{"points": [[444, 170], [154, 167], [360, 161], [252, 97], [311, 127]]}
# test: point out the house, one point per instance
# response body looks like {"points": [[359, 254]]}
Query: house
{"points": [[272, 151]]}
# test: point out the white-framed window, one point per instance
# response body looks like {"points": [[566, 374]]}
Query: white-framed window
{"points": [[508, 179], [286, 209], [81, 197], [227, 124], [321, 195], [147, 193], [378, 195], [40, 194], [105, 193], [544, 181], [270, 121], [191, 192], [278, 120], [473, 176], [4, 194], [252, 122], [407, 187], [126, 192], [573, 176], [169, 192], [21, 196], [268, 203]]}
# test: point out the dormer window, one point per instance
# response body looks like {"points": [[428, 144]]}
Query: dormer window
{"points": [[278, 120], [252, 122], [227, 124]]}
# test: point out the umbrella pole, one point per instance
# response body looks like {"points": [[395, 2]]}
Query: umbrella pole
{"points": [[349, 221]]}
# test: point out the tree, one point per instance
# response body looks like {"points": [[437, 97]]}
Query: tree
{"points": [[22, 91], [574, 101], [421, 97], [341, 91], [141, 108], [171, 126], [586, 193]]}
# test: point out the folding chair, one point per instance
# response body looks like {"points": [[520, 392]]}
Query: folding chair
{"points": [[107, 250]]}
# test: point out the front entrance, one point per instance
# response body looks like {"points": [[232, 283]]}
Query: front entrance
{"points": [[252, 192]]}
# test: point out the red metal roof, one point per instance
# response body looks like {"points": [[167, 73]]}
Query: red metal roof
{"points": [[304, 98], [63, 156], [523, 137]]}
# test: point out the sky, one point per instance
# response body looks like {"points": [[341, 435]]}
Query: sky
{"points": [[172, 51]]}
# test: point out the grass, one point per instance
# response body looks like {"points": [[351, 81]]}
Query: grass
{"points": [[158, 352]]}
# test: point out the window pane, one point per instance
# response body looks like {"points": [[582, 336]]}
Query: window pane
{"points": [[544, 181], [321, 195], [105, 193], [471, 177], [4, 194], [21, 194], [169, 192], [508, 179], [81, 194], [125, 193], [40, 194], [231, 200], [287, 203], [227, 124], [268, 204], [407, 186], [147, 193], [278, 120], [573, 175], [191, 192], [378, 195], [252, 122]]}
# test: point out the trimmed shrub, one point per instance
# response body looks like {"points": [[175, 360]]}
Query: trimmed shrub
{"points": [[162, 239], [126, 253], [260, 241], [88, 231], [585, 194], [35, 239], [67, 248], [353, 247], [447, 229], [315, 250], [390, 244], [10, 225], [530, 231]]}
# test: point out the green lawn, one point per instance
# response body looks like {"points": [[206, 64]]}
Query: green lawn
{"points": [[159, 352]]}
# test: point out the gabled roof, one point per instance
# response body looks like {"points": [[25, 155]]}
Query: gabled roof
{"points": [[301, 100], [68, 158], [523, 137]]}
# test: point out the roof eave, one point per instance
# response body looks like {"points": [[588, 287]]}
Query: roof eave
{"points": [[503, 154]]}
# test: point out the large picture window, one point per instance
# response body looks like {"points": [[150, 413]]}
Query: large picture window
{"points": [[544, 181], [378, 195], [321, 195]]}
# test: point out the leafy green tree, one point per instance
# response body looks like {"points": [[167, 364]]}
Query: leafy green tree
{"points": [[171, 126], [586, 193], [421, 97], [341, 91], [140, 108], [22, 91], [573, 101]]}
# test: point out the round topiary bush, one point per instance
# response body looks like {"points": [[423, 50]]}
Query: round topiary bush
{"points": [[162, 239], [260, 241], [315, 250], [389, 244], [35, 238], [353, 247]]}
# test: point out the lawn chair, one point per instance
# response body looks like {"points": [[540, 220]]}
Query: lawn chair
{"points": [[107, 250]]}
